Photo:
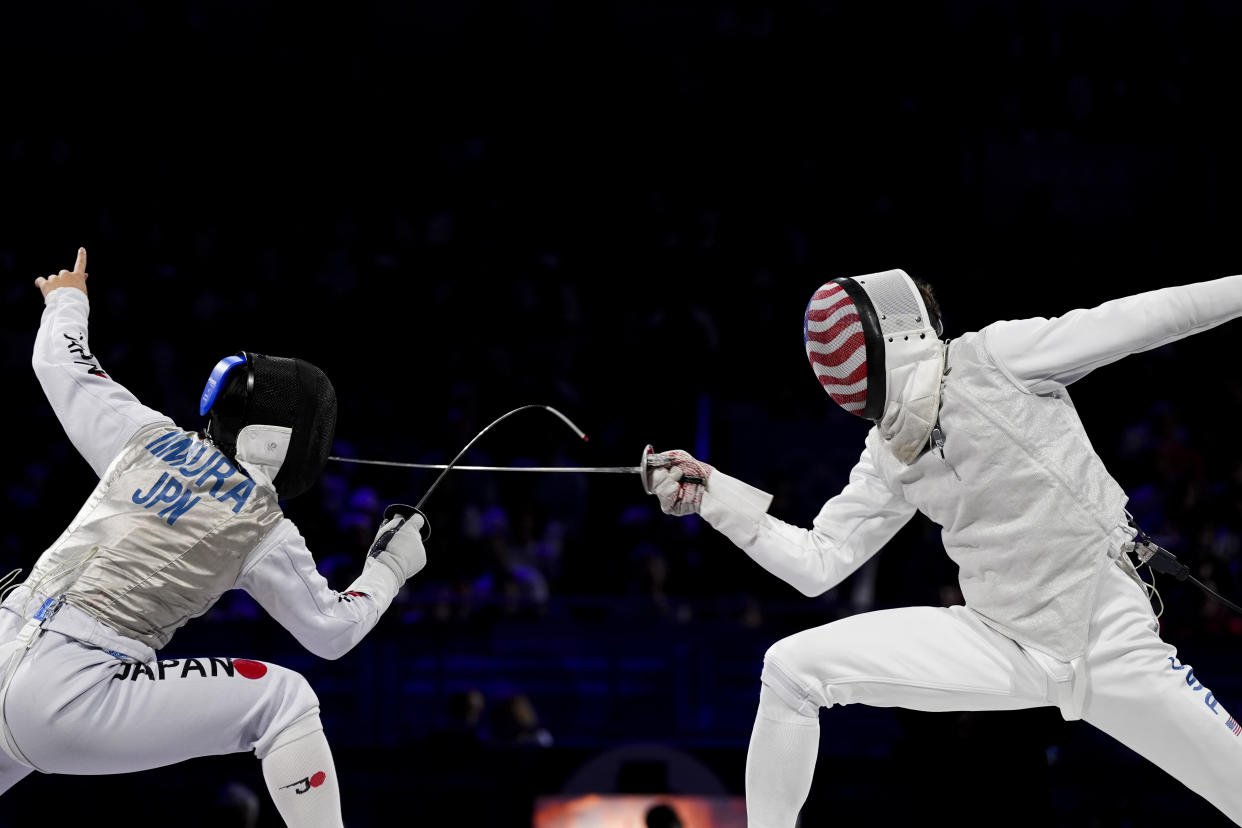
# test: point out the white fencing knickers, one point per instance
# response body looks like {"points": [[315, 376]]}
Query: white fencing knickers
{"points": [[1129, 683], [73, 708]]}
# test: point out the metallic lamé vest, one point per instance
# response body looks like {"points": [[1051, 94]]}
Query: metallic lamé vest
{"points": [[166, 531], [1029, 512]]}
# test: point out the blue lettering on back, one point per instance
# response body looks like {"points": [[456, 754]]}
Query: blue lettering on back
{"points": [[183, 505], [240, 493], [191, 472], [170, 491], [175, 454], [202, 448], [140, 498], [159, 441], [220, 470], [175, 448]]}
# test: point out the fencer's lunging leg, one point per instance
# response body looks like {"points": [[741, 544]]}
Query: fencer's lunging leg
{"points": [[1142, 694], [74, 708], [780, 763], [923, 658], [301, 779]]}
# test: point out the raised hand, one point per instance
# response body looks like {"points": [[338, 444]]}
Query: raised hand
{"points": [[75, 278]]}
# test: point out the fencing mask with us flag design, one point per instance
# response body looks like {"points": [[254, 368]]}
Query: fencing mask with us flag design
{"points": [[858, 329]]}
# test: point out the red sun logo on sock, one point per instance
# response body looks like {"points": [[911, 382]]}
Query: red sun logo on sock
{"points": [[250, 669], [318, 779]]}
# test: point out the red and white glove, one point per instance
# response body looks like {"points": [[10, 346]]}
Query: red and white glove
{"points": [[678, 480]]}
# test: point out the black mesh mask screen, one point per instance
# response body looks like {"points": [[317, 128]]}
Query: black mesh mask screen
{"points": [[279, 391]]}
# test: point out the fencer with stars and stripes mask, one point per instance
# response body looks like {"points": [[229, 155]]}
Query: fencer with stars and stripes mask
{"points": [[875, 350]]}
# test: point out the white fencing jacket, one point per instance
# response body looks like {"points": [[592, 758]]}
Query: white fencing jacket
{"points": [[172, 523], [1029, 513]]}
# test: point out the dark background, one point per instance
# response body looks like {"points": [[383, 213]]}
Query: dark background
{"points": [[619, 210]]}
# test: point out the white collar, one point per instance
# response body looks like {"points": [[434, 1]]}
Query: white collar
{"points": [[261, 451], [913, 405]]}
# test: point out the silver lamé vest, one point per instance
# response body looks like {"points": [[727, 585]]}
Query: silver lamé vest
{"points": [[1029, 513], [163, 535]]}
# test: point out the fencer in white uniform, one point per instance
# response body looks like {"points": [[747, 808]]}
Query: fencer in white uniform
{"points": [[979, 434], [176, 519]]}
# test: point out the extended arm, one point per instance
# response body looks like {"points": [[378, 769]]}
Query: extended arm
{"points": [[848, 530], [281, 575], [1039, 353], [99, 415]]}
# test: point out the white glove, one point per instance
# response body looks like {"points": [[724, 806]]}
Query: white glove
{"points": [[398, 545], [679, 481]]}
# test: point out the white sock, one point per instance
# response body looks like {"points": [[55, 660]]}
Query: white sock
{"points": [[780, 763], [302, 782]]}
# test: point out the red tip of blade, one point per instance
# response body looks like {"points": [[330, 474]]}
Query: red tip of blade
{"points": [[585, 438]]}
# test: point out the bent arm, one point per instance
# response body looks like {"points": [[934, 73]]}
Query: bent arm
{"points": [[98, 414], [848, 530], [281, 575], [1039, 353]]}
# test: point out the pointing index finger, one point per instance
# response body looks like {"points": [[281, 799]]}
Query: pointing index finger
{"points": [[80, 265]]}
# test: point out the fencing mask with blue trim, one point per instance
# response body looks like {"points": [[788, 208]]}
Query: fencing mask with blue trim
{"points": [[272, 415]]}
